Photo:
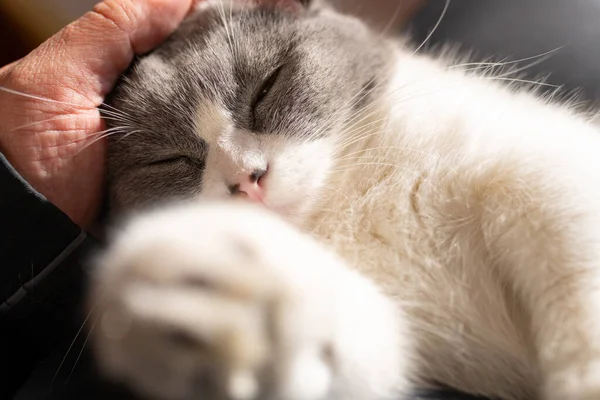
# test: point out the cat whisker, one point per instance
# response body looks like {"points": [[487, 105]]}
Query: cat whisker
{"points": [[525, 81], [357, 124], [374, 164], [351, 140], [527, 66], [361, 136], [489, 72], [352, 121], [446, 6], [41, 98], [505, 63], [359, 113], [489, 78], [113, 122], [391, 21], [98, 136], [114, 113], [362, 114], [357, 135], [448, 87], [88, 316], [349, 130], [102, 106], [357, 153], [361, 132], [131, 133], [108, 131], [354, 101], [435, 27], [338, 191], [118, 119], [87, 338], [349, 134], [55, 118], [381, 158], [540, 58]]}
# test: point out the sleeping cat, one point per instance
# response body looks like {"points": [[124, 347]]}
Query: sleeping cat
{"points": [[314, 211]]}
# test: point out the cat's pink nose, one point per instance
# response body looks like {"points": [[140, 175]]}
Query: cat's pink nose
{"points": [[251, 187]]}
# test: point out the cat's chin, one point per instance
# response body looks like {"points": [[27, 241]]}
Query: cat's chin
{"points": [[293, 212], [292, 209], [288, 212]]}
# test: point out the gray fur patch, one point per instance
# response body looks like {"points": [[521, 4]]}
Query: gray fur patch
{"points": [[328, 66]]}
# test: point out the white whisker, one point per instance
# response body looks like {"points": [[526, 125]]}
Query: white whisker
{"points": [[72, 344], [505, 63], [87, 338], [55, 118], [437, 24], [98, 136], [40, 98]]}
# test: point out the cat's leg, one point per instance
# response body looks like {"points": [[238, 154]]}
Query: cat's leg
{"points": [[219, 300], [542, 233]]}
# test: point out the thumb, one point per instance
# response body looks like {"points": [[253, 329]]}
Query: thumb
{"points": [[86, 58]]}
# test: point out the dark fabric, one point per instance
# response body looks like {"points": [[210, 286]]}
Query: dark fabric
{"points": [[69, 374], [40, 278], [447, 394], [518, 29]]}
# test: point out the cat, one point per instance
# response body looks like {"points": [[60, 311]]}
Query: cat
{"points": [[311, 210]]}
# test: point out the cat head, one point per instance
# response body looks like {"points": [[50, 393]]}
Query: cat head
{"points": [[247, 99]]}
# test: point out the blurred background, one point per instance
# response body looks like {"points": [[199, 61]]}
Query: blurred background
{"points": [[24, 24], [504, 30]]}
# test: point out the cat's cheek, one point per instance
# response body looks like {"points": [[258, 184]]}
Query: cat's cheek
{"points": [[298, 175], [213, 187]]}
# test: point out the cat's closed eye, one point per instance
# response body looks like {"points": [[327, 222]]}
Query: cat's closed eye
{"points": [[177, 160], [170, 160], [263, 91]]}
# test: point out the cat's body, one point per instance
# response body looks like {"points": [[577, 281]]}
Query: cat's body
{"points": [[463, 163], [472, 207]]}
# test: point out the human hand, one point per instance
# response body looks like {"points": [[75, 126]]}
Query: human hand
{"points": [[50, 127]]}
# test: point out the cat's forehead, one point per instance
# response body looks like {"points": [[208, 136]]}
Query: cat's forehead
{"points": [[224, 59], [216, 52], [254, 38], [252, 34]]}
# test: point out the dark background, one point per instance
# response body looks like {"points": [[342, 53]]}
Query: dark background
{"points": [[13, 44]]}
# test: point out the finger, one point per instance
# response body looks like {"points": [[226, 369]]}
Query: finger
{"points": [[86, 57], [145, 22]]}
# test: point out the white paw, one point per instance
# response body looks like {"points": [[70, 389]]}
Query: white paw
{"points": [[216, 302]]}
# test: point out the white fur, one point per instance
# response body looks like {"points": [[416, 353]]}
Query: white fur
{"points": [[310, 300], [291, 162], [475, 208]]}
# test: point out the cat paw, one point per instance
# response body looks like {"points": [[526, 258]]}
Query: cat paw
{"points": [[215, 302]]}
